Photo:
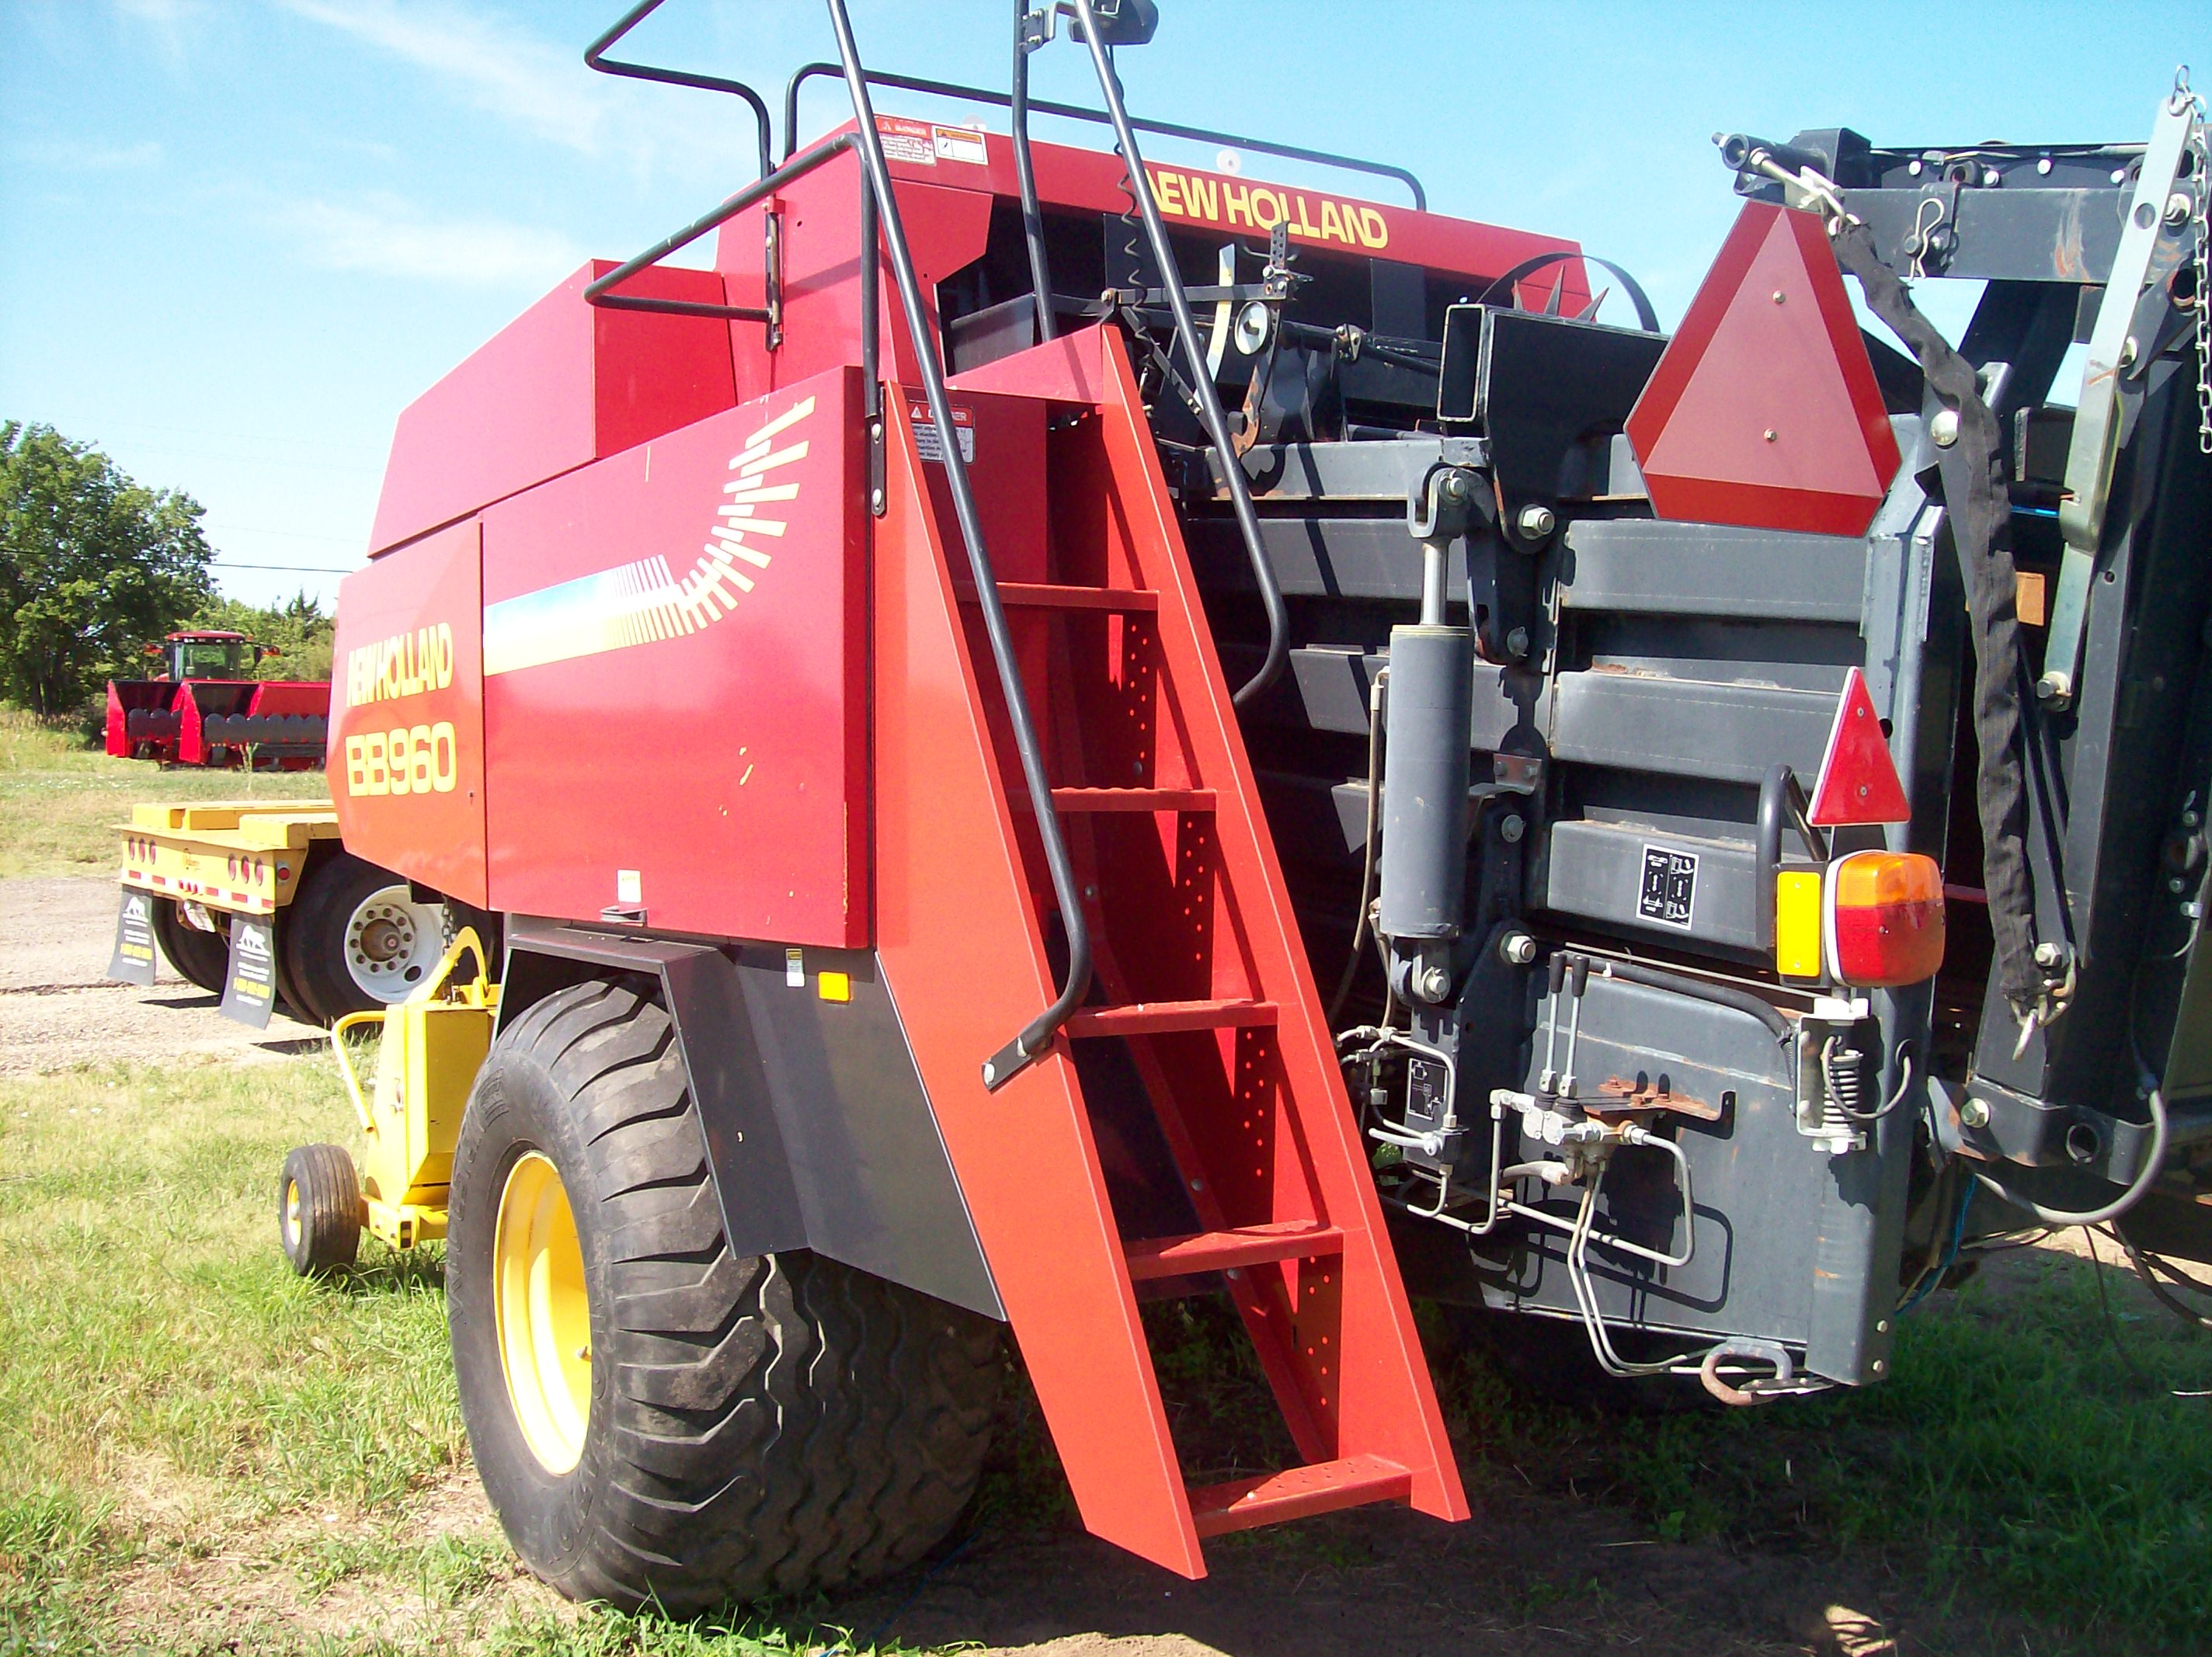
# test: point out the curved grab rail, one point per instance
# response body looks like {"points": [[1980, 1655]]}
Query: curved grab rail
{"points": [[1204, 392], [595, 57], [1078, 113], [1036, 1035]]}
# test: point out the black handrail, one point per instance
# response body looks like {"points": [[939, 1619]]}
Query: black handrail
{"points": [[1078, 113], [1024, 170], [750, 195], [595, 57], [1204, 393], [1035, 1037]]}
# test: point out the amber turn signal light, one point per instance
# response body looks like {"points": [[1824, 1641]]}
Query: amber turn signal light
{"points": [[1885, 918]]}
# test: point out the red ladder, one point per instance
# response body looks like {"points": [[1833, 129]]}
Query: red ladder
{"points": [[1200, 972]]}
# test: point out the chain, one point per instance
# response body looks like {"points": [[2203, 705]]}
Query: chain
{"points": [[2202, 183]]}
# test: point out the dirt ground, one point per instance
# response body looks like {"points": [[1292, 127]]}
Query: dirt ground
{"points": [[58, 1010], [1535, 1572]]}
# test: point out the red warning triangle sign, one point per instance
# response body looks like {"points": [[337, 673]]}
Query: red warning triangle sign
{"points": [[1764, 410], [1858, 779]]}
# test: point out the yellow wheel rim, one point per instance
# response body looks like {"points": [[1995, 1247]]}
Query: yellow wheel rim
{"points": [[292, 1211], [544, 1318]]}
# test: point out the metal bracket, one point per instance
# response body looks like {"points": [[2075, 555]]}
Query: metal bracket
{"points": [[2095, 446]]}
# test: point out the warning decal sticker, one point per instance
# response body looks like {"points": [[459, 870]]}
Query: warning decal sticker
{"points": [[1669, 894]]}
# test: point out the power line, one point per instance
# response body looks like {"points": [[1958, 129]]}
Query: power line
{"points": [[295, 569]]}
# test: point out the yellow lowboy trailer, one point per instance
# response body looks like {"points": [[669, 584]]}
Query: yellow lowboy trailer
{"points": [[258, 902]]}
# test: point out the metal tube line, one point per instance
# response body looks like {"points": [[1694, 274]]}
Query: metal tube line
{"points": [[1035, 1035], [1207, 395]]}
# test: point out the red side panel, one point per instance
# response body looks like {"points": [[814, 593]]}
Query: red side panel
{"points": [[1764, 410], [564, 384], [958, 939], [273, 696], [674, 660], [406, 757]]}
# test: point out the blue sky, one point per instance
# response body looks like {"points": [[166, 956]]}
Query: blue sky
{"points": [[238, 236]]}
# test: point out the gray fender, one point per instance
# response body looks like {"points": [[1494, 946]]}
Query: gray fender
{"points": [[818, 1130]]}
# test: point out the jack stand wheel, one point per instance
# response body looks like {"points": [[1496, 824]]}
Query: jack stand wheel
{"points": [[319, 1209]]}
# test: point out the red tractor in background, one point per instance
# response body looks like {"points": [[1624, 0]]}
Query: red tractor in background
{"points": [[206, 709], [1054, 732]]}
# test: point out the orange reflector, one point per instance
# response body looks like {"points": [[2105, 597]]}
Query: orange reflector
{"points": [[1885, 918], [1858, 781]]}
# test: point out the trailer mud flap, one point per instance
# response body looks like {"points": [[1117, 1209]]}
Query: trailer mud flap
{"points": [[249, 988], [816, 1127], [133, 959]]}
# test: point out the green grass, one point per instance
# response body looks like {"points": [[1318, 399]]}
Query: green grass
{"points": [[174, 1404], [61, 798], [2016, 1462]]}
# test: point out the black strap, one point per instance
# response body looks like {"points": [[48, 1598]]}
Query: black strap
{"points": [[1981, 530]]}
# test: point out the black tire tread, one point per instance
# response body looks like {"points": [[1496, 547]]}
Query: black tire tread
{"points": [[329, 1208], [779, 1422]]}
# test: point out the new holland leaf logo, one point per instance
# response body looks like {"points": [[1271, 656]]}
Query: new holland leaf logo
{"points": [[641, 602]]}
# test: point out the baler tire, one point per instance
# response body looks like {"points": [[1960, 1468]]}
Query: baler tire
{"points": [[757, 1425], [319, 1209], [333, 886], [200, 958]]}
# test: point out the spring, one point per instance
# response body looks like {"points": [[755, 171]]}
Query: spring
{"points": [[1844, 1102]]}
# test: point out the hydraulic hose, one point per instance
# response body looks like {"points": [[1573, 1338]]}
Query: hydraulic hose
{"points": [[2146, 1176]]}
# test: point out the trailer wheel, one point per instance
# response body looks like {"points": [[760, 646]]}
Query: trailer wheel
{"points": [[200, 958], [359, 939], [655, 1417], [319, 1209]]}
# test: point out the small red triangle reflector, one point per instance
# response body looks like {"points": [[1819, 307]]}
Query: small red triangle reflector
{"points": [[1858, 779]]}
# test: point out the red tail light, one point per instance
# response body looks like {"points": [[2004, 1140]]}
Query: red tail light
{"points": [[1885, 918]]}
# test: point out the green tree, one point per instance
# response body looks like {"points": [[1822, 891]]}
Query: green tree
{"points": [[93, 567], [298, 628]]}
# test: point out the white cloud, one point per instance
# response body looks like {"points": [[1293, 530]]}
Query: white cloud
{"points": [[385, 237], [504, 71]]}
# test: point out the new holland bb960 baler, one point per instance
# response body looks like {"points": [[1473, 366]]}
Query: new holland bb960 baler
{"points": [[1634, 833]]}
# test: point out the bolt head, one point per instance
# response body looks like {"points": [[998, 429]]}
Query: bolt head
{"points": [[1511, 829], [1943, 430], [1975, 1113], [1537, 521], [1518, 947], [2049, 955], [1436, 983], [1516, 642], [1455, 486]]}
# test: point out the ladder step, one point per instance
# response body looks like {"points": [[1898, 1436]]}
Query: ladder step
{"points": [[1298, 1493], [1034, 595], [1244, 1245], [1133, 799], [1161, 1018]]}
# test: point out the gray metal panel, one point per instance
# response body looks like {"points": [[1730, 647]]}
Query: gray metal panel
{"points": [[1372, 559], [1353, 471], [1638, 722], [1333, 681], [870, 1165], [817, 1127], [1755, 1178], [1709, 569], [1596, 871]]}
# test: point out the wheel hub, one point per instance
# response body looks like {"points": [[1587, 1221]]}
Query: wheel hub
{"points": [[541, 1312], [391, 941]]}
